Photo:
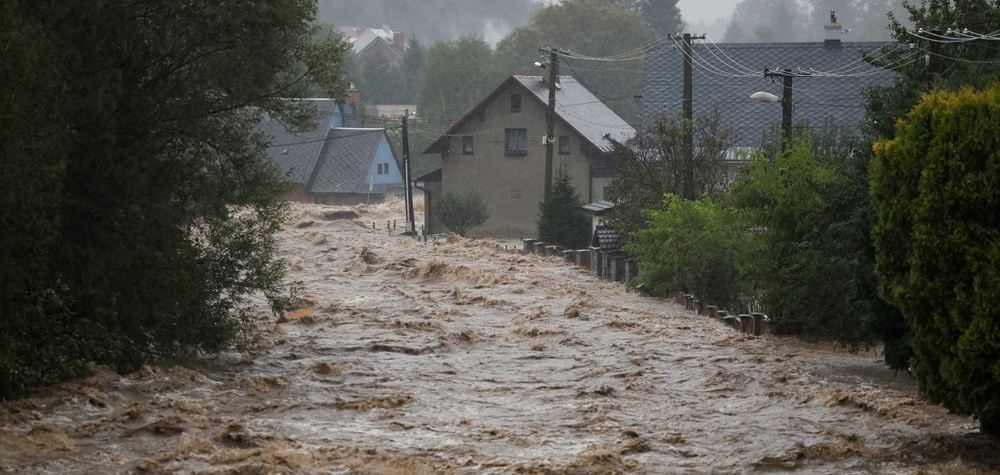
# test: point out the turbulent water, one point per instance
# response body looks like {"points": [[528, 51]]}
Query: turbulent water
{"points": [[460, 357]]}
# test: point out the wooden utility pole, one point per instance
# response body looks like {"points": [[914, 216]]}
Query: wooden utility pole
{"points": [[786, 76], [410, 220], [688, 108], [550, 118]]}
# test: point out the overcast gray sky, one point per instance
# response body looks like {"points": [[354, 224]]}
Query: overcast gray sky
{"points": [[694, 11]]}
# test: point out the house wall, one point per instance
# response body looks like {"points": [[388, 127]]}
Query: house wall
{"points": [[348, 199], [512, 186], [432, 192], [379, 48], [297, 192], [384, 156]]}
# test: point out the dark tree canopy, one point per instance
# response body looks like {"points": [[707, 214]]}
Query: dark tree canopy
{"points": [[590, 28], [934, 188], [432, 20], [162, 231], [457, 75], [768, 21], [654, 164]]}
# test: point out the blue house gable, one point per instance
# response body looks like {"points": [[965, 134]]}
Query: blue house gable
{"points": [[355, 161], [330, 163], [828, 95]]}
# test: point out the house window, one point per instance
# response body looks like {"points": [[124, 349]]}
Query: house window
{"points": [[467, 145], [515, 141], [564, 144], [515, 103], [379, 168]]}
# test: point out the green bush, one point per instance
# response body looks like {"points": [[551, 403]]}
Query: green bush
{"points": [[935, 191], [691, 246], [810, 261], [460, 213]]}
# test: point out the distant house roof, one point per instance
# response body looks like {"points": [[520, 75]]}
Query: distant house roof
{"points": [[576, 107], [393, 111], [345, 160], [725, 75], [350, 32], [325, 158], [392, 40], [599, 207], [295, 152], [605, 238]]}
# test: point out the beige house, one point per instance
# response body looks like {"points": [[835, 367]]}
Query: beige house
{"points": [[497, 150]]}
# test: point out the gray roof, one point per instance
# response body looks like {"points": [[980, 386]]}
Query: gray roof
{"points": [[725, 75], [599, 207], [581, 110], [296, 152], [345, 160], [605, 238], [576, 107]]}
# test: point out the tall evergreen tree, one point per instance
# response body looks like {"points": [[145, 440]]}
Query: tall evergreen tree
{"points": [[662, 16], [934, 187], [562, 220]]}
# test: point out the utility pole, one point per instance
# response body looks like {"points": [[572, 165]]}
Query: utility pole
{"points": [[786, 76], [688, 108], [550, 117], [410, 220]]}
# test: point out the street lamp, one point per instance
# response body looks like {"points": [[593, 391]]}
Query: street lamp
{"points": [[785, 100]]}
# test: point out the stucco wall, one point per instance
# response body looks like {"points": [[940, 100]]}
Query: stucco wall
{"points": [[513, 186]]}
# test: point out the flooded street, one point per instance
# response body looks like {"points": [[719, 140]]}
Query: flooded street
{"points": [[459, 357]]}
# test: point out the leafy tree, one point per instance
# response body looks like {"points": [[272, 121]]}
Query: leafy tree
{"points": [[382, 82], [756, 21], [425, 20], [937, 233], [166, 212], [589, 28], [461, 212], [807, 261], [31, 171], [953, 65], [412, 68], [691, 246], [661, 16], [862, 20], [562, 220], [457, 75], [654, 164]]}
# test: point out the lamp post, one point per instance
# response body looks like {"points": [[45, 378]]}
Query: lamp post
{"points": [[786, 76]]}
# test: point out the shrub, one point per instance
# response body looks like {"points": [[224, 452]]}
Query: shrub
{"points": [[461, 212], [937, 236], [691, 246]]}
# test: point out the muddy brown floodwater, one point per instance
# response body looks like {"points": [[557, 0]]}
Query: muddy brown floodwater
{"points": [[458, 357]]}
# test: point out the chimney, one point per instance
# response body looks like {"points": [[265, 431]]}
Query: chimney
{"points": [[353, 96], [832, 39], [399, 41]]}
